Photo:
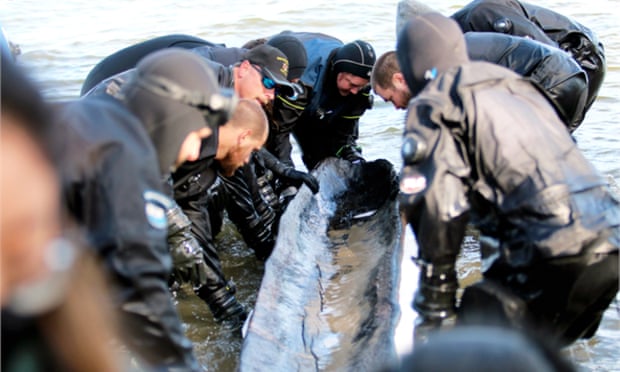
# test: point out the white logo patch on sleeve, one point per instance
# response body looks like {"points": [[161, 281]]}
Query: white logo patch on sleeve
{"points": [[155, 206]]}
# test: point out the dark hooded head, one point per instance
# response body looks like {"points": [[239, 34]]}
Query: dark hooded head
{"points": [[357, 58], [428, 45], [407, 9], [174, 92], [294, 49]]}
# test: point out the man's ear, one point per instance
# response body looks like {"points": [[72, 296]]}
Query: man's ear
{"points": [[244, 66], [398, 79], [244, 136]]}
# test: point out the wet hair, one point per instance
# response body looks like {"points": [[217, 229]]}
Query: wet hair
{"points": [[249, 114], [385, 67], [22, 98]]}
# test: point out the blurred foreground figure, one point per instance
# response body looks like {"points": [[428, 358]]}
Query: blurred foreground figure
{"points": [[52, 314], [482, 145], [484, 349]]}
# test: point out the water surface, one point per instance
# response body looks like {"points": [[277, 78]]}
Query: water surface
{"points": [[62, 41]]}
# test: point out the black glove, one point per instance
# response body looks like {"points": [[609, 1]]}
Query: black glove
{"points": [[286, 171], [351, 153], [307, 178]]}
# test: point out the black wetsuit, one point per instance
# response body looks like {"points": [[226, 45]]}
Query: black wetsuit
{"points": [[253, 209], [522, 19], [113, 187], [254, 195], [196, 192], [127, 58], [496, 155], [561, 79], [190, 184]]}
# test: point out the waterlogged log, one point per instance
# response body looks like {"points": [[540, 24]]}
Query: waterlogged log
{"points": [[328, 300]]}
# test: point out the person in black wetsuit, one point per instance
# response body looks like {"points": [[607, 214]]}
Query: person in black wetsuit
{"points": [[483, 146], [558, 76], [192, 184], [259, 191], [119, 153], [248, 207], [519, 18], [336, 78]]}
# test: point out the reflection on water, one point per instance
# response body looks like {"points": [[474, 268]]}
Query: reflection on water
{"points": [[216, 347], [62, 41]]}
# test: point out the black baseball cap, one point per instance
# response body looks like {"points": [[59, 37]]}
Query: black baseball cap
{"points": [[294, 49], [273, 63]]}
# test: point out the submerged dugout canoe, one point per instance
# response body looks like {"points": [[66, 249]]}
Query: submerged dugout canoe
{"points": [[329, 296]]}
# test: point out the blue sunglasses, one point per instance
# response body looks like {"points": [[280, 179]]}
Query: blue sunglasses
{"points": [[267, 81]]}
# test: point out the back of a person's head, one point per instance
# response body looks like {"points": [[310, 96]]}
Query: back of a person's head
{"points": [[174, 92], [385, 67], [428, 45], [484, 349], [249, 114], [181, 67], [407, 9]]}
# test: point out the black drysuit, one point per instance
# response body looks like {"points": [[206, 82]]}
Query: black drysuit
{"points": [[546, 26], [490, 150], [200, 197], [558, 76], [201, 211], [113, 187], [192, 185], [128, 57], [254, 197]]}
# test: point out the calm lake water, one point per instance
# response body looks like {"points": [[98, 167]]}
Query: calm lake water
{"points": [[62, 41]]}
